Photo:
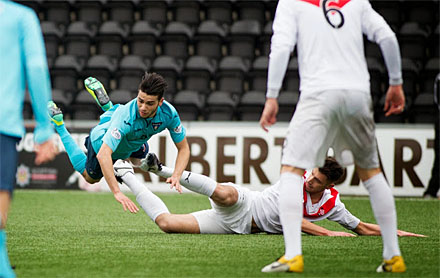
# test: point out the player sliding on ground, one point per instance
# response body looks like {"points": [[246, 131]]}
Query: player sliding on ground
{"points": [[123, 132], [236, 209]]}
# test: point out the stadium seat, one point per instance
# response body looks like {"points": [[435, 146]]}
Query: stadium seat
{"points": [[110, 39], [220, 106], [428, 75], [122, 96], [219, 10], [231, 73], [186, 11], [84, 107], [264, 39], [291, 80], [287, 102], [251, 10], [52, 38], [413, 40], [271, 6], [423, 109], [377, 73], [56, 11], [390, 11], [175, 40], [424, 12], [242, 38], [433, 43], [130, 72], [189, 104], [410, 74], [251, 105], [198, 73], [170, 69], [372, 50], [155, 12], [142, 39], [102, 67], [65, 73], [208, 40], [78, 39], [121, 11], [258, 74], [89, 11], [63, 101]]}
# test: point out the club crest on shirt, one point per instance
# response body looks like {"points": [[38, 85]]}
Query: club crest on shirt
{"points": [[116, 134], [178, 129], [321, 212], [156, 125]]}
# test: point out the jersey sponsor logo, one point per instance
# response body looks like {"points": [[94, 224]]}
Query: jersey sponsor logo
{"points": [[178, 129], [116, 134], [331, 10], [156, 125]]}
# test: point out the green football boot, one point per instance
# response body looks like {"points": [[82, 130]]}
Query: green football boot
{"points": [[55, 113], [97, 90]]}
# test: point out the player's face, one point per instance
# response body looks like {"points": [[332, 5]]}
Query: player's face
{"points": [[148, 104], [316, 182]]}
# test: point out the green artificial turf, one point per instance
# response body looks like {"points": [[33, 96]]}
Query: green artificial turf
{"points": [[81, 234]]}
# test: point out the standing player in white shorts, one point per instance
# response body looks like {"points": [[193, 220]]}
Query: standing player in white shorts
{"points": [[238, 210], [334, 110]]}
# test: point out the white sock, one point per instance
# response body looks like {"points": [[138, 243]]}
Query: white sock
{"points": [[195, 182], [382, 202], [150, 203], [291, 212]]}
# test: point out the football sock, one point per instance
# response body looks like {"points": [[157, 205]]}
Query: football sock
{"points": [[195, 182], [150, 203], [382, 203], [77, 157], [5, 267], [291, 212]]}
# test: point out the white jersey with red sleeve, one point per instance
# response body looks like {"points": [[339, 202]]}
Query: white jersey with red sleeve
{"points": [[266, 214], [329, 39]]}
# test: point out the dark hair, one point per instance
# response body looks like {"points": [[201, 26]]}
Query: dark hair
{"points": [[153, 84], [332, 170]]}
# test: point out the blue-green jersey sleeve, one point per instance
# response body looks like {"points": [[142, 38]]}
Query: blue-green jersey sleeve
{"points": [[176, 129], [119, 127]]}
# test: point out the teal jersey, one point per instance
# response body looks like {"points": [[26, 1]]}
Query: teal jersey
{"points": [[22, 62], [124, 130]]}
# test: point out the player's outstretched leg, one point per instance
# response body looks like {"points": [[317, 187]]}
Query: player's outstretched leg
{"points": [[296, 264], [97, 90], [150, 203], [195, 182], [76, 156]]}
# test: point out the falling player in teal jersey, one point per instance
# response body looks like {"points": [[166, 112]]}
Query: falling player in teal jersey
{"points": [[123, 132]]}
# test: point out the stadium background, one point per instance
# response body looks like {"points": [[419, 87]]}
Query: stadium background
{"points": [[213, 55]]}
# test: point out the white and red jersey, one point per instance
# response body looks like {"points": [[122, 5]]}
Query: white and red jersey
{"points": [[266, 214], [329, 39]]}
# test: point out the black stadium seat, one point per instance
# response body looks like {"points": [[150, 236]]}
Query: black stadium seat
{"points": [[197, 74], [110, 39], [189, 104], [142, 40], [251, 105], [154, 11], [231, 74], [102, 67], [242, 40], [79, 38], [186, 11], [130, 72], [52, 38], [175, 40], [220, 106], [56, 11], [258, 74], [66, 73], [219, 10], [170, 68], [89, 11], [121, 11], [84, 107], [209, 38]]}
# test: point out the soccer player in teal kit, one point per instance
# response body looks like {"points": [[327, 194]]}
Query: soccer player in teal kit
{"points": [[123, 132]]}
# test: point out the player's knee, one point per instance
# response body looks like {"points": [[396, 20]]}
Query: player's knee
{"points": [[90, 179], [225, 195]]}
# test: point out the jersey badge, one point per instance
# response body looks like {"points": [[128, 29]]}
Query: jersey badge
{"points": [[156, 125], [178, 129], [116, 134]]}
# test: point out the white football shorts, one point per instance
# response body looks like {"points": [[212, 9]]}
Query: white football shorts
{"points": [[338, 119], [236, 219]]}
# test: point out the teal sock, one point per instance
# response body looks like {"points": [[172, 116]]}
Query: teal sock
{"points": [[5, 267], [77, 157]]}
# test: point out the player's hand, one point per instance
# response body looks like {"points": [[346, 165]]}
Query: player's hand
{"points": [[126, 202], [403, 233], [394, 100], [175, 182], [45, 152], [344, 234], [269, 115]]}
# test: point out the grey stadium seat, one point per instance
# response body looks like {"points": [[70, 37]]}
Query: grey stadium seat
{"points": [[143, 39], [189, 104], [198, 73], [251, 105], [220, 106], [130, 72]]}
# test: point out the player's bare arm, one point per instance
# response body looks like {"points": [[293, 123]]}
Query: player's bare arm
{"points": [[269, 115], [313, 229], [182, 159], [104, 157], [368, 229]]}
